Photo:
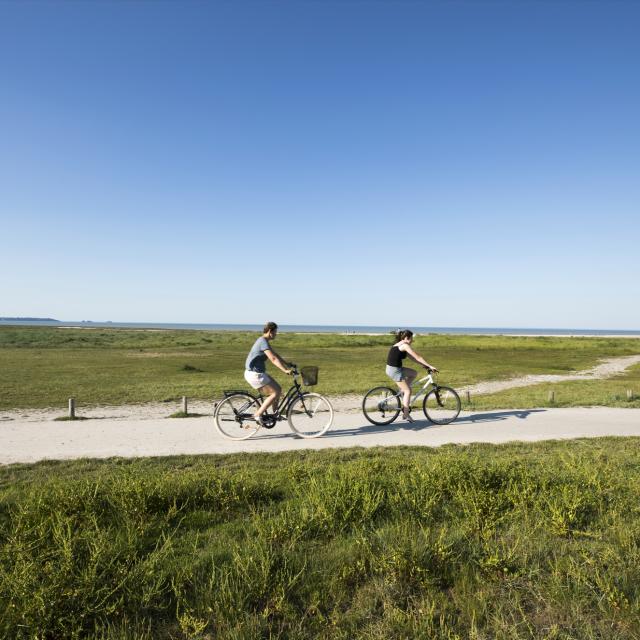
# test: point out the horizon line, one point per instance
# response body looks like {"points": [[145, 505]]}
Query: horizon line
{"points": [[9, 319]]}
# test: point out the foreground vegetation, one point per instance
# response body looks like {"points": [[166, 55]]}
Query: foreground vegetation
{"points": [[43, 366], [516, 541]]}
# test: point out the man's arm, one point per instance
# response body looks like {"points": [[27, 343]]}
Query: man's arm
{"points": [[277, 361]]}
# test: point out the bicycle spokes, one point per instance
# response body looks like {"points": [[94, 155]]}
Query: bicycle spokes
{"points": [[381, 405], [310, 415], [234, 416], [441, 405]]}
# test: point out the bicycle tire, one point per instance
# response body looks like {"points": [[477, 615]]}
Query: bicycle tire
{"points": [[373, 409], [310, 415], [441, 405], [233, 417]]}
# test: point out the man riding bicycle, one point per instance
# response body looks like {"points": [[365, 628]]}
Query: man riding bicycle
{"points": [[255, 370]]}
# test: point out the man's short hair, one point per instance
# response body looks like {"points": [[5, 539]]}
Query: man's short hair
{"points": [[270, 326]]}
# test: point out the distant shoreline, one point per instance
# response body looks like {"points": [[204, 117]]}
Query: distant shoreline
{"points": [[332, 329]]}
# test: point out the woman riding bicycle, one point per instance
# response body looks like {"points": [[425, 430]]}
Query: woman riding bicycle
{"points": [[255, 369], [404, 376]]}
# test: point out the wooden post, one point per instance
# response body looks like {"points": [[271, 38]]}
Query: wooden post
{"points": [[468, 396], [552, 397], [184, 404], [629, 395], [72, 408]]}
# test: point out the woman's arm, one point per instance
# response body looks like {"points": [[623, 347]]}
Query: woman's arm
{"points": [[418, 358]]}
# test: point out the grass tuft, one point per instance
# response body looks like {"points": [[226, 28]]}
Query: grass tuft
{"points": [[188, 367]]}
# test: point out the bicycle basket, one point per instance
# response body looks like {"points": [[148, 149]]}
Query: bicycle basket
{"points": [[309, 375]]}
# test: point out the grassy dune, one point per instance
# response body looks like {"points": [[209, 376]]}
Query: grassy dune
{"points": [[516, 541], [43, 366]]}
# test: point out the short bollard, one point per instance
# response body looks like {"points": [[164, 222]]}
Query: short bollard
{"points": [[552, 397], [630, 395], [184, 404], [468, 397], [72, 408]]}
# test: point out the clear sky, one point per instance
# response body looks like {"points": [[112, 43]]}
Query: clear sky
{"points": [[403, 163]]}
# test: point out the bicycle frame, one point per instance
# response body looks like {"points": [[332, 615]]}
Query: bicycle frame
{"points": [[429, 382], [294, 391]]}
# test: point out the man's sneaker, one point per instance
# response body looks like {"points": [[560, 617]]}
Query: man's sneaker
{"points": [[259, 421]]}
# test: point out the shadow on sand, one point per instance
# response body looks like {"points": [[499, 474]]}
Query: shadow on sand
{"points": [[418, 425]]}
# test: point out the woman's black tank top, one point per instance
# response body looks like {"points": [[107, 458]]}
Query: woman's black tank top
{"points": [[395, 357]]}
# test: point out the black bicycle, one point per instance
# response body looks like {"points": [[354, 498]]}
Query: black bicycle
{"points": [[309, 415]]}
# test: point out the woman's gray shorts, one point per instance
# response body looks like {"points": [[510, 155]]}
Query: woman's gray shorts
{"points": [[395, 373]]}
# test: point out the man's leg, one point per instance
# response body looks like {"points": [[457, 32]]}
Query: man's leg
{"points": [[272, 392]]}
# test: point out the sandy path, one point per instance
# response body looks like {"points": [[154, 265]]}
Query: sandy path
{"points": [[606, 369], [30, 442], [346, 403]]}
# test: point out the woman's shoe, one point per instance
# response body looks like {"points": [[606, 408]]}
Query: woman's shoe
{"points": [[408, 417]]}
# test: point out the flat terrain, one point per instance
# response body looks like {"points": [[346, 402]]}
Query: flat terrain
{"points": [[108, 437], [43, 366]]}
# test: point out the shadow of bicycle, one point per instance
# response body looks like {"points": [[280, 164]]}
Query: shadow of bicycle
{"points": [[418, 425], [493, 416]]}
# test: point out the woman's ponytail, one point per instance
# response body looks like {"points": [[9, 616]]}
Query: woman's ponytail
{"points": [[401, 334]]}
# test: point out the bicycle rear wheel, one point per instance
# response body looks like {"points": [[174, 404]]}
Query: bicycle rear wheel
{"points": [[441, 405], [310, 415], [234, 416], [381, 405]]}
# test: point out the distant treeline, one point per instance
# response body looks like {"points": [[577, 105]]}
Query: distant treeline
{"points": [[32, 319]]}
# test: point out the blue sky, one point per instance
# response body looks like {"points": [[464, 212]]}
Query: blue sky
{"points": [[402, 163]]}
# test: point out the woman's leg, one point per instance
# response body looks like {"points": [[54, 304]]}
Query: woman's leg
{"points": [[403, 385], [409, 375], [272, 392]]}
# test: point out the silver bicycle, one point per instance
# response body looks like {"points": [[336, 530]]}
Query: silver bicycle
{"points": [[441, 405]]}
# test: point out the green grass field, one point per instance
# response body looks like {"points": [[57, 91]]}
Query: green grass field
{"points": [[520, 541], [44, 366]]}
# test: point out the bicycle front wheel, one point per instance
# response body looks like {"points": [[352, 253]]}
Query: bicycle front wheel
{"points": [[441, 405], [381, 405], [234, 416], [310, 415]]}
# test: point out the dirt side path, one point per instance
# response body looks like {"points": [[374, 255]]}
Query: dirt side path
{"points": [[606, 369]]}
